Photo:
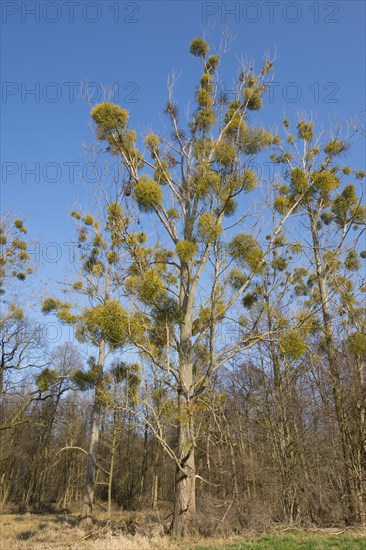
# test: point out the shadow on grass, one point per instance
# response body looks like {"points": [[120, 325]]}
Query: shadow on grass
{"points": [[26, 535], [71, 521]]}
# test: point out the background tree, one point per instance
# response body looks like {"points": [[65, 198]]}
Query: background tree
{"points": [[99, 319], [329, 212]]}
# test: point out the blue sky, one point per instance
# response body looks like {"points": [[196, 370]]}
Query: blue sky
{"points": [[52, 47]]}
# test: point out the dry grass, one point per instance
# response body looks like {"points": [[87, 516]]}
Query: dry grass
{"points": [[61, 532], [128, 531]]}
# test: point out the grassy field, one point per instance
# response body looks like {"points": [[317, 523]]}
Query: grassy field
{"points": [[61, 532], [295, 541]]}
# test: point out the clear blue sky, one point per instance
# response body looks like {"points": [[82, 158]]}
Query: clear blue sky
{"points": [[51, 46]]}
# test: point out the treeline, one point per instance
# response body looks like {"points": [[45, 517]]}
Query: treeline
{"points": [[218, 368]]}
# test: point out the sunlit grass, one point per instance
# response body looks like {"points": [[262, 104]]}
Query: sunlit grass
{"points": [[295, 541], [61, 532]]}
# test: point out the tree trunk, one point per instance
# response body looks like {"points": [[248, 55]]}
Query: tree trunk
{"points": [[185, 491], [185, 494], [111, 466], [88, 501]]}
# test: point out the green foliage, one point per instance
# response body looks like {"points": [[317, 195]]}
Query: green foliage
{"points": [[212, 63], [173, 213], [202, 321], [252, 93], [90, 378], [88, 220], [245, 248], [16, 312], [206, 82], [292, 345], [114, 211], [335, 147], [199, 47], [148, 287], [204, 119], [50, 304], [21, 245], [229, 207], [82, 236], [327, 217], [282, 204], [20, 226], [352, 262], [152, 142], [209, 228], [161, 173], [235, 118], [46, 379], [148, 195], [325, 181], [279, 263], [305, 130], [250, 180], [225, 154], [344, 203], [14, 256], [77, 285], [252, 99], [204, 98], [236, 278], [249, 299], [186, 250], [307, 323], [254, 140], [299, 180], [93, 265], [108, 321], [109, 118], [281, 159], [267, 67], [356, 344], [203, 180]]}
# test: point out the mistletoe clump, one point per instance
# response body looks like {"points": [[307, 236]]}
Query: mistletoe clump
{"points": [[225, 154], [199, 47], [148, 287], [108, 320], [252, 93], [282, 204], [335, 147], [299, 180], [148, 195], [352, 261], [186, 250], [250, 180], [245, 249], [292, 345], [161, 173], [325, 181], [109, 118], [305, 130], [209, 228], [152, 142], [356, 344]]}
